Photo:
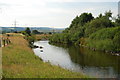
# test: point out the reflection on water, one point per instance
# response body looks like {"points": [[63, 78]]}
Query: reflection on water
{"points": [[79, 59]]}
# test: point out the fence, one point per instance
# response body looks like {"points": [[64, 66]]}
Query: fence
{"points": [[4, 41]]}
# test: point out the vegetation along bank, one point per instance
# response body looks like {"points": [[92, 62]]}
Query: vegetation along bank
{"points": [[100, 33]]}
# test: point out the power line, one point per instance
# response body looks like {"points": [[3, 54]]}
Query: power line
{"points": [[15, 23]]}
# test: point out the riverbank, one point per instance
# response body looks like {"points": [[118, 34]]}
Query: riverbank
{"points": [[19, 61], [98, 45], [99, 33], [105, 40]]}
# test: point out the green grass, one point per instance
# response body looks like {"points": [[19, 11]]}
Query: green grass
{"points": [[19, 61]]}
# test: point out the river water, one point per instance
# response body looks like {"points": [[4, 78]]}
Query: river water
{"points": [[78, 59]]}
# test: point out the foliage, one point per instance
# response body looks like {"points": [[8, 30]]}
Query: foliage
{"points": [[29, 37], [81, 20], [97, 24], [105, 33], [107, 39], [28, 31], [116, 40], [35, 32], [101, 32], [30, 40], [117, 20], [60, 38], [75, 31], [23, 32]]}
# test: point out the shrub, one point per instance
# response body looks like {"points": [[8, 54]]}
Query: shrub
{"points": [[105, 39]]}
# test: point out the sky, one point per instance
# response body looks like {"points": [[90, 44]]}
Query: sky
{"points": [[50, 13]]}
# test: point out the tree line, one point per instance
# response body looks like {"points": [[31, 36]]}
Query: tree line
{"points": [[100, 33], [33, 35]]}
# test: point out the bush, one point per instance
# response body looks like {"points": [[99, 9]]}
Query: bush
{"points": [[105, 33], [60, 38], [107, 39]]}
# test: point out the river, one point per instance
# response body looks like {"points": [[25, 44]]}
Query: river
{"points": [[78, 59]]}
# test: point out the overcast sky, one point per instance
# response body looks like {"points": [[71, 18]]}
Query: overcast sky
{"points": [[50, 13]]}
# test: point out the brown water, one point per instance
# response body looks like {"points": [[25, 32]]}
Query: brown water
{"points": [[79, 59]]}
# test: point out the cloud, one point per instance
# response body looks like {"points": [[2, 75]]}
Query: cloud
{"points": [[57, 13]]}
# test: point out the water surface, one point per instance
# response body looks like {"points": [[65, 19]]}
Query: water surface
{"points": [[79, 59]]}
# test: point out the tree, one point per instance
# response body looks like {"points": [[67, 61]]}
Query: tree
{"points": [[108, 14], [50, 33], [99, 23], [117, 21], [35, 32], [100, 15], [28, 31], [84, 18]]}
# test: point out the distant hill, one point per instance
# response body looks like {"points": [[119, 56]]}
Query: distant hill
{"points": [[40, 29]]}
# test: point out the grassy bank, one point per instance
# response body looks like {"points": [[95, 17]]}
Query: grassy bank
{"points": [[19, 61]]}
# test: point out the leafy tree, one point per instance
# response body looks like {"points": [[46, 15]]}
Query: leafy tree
{"points": [[100, 15], [28, 31], [108, 14], [99, 23], [117, 21], [84, 18]]}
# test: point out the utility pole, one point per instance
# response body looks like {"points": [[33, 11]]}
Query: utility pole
{"points": [[53, 30], [15, 23]]}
